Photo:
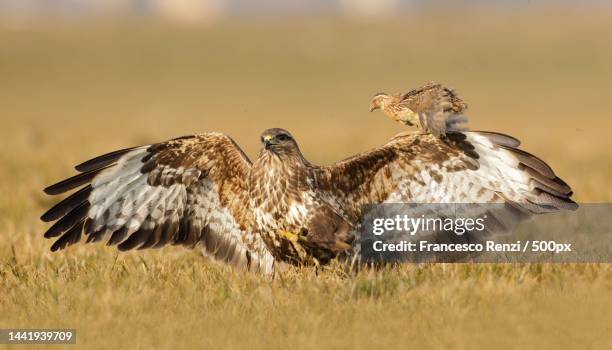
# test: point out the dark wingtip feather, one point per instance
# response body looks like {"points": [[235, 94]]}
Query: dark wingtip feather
{"points": [[558, 188], [571, 205], [562, 183], [69, 220], [500, 139], [168, 231], [137, 238], [510, 143], [73, 182], [117, 236], [553, 191], [96, 236], [153, 239], [68, 238], [103, 160], [66, 205], [546, 198], [531, 161]]}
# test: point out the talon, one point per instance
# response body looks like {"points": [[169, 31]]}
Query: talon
{"points": [[289, 235]]}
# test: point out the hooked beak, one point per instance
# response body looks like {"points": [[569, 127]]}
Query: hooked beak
{"points": [[373, 108], [267, 141]]}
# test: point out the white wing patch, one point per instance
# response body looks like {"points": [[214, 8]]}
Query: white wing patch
{"points": [[497, 177], [145, 198]]}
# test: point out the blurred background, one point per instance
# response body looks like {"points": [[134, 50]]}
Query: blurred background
{"points": [[83, 77]]}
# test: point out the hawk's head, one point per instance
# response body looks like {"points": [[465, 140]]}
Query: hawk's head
{"points": [[379, 101], [278, 141]]}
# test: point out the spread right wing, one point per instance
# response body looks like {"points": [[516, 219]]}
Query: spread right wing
{"points": [[184, 191], [471, 167]]}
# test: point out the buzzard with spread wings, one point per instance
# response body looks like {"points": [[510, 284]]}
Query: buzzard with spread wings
{"points": [[202, 190]]}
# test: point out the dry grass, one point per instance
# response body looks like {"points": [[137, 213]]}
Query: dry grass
{"points": [[74, 90]]}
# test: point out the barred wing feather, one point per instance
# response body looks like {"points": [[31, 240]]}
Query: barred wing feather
{"points": [[185, 191], [468, 167]]}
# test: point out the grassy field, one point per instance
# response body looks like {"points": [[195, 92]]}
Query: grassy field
{"points": [[69, 91]]}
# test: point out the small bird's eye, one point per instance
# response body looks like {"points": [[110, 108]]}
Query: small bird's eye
{"points": [[283, 137]]}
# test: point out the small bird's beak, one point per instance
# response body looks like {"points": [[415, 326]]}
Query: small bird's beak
{"points": [[373, 108]]}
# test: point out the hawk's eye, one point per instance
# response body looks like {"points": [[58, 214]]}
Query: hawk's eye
{"points": [[283, 137]]}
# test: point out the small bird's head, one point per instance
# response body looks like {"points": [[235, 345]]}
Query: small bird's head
{"points": [[278, 141], [379, 101]]}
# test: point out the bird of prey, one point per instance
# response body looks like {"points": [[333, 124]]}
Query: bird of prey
{"points": [[432, 108], [202, 190]]}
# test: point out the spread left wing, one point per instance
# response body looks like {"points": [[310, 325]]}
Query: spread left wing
{"points": [[470, 167], [190, 190]]}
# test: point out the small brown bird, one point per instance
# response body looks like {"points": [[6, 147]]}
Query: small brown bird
{"points": [[432, 108]]}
